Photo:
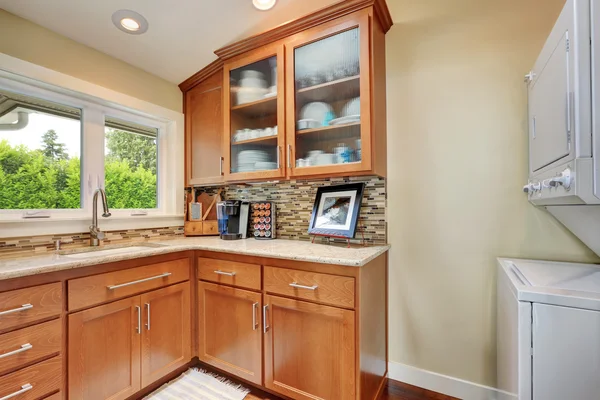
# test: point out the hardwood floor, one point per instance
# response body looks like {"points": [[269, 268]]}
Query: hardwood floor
{"points": [[394, 390]]}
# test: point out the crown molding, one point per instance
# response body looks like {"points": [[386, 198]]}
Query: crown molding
{"points": [[335, 11], [201, 75], [319, 17]]}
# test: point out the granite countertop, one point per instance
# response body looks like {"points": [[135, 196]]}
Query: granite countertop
{"points": [[278, 248]]}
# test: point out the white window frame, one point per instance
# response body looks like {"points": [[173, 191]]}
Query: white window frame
{"points": [[96, 104]]}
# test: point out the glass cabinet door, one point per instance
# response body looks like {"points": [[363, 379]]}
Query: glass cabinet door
{"points": [[328, 114], [254, 122]]}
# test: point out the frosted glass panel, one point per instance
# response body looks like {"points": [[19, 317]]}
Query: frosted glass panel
{"points": [[327, 86], [254, 117]]}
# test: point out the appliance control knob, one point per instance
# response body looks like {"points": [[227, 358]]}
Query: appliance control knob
{"points": [[527, 188], [562, 179], [536, 187]]}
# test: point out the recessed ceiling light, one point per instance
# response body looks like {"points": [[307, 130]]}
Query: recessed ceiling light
{"points": [[130, 22], [264, 5]]}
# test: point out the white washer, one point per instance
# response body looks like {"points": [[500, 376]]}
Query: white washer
{"points": [[548, 330]]}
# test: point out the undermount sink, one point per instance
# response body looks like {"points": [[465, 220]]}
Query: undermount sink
{"points": [[90, 252]]}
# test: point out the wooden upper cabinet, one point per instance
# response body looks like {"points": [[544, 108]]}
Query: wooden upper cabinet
{"points": [[204, 131], [321, 82], [254, 115], [330, 99], [166, 337]]}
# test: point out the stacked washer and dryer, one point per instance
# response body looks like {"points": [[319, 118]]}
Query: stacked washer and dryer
{"points": [[548, 316]]}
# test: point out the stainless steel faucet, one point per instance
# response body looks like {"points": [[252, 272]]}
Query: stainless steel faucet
{"points": [[96, 235]]}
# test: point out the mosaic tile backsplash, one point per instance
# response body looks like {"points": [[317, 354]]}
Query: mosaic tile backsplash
{"points": [[295, 199], [38, 244]]}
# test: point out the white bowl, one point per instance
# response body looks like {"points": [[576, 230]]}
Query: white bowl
{"points": [[253, 83], [249, 73]]}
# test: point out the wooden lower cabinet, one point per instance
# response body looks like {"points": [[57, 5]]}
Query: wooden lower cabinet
{"points": [[309, 350], [230, 330], [118, 348], [166, 336], [104, 351]]}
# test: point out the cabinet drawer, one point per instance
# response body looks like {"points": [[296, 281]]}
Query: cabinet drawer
{"points": [[322, 288], [28, 345], [33, 382], [24, 306], [229, 272], [91, 290]]}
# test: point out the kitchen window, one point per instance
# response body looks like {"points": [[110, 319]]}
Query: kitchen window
{"points": [[57, 146], [130, 165], [40, 153]]}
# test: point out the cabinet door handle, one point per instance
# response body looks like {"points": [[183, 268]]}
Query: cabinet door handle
{"points": [[224, 273], [221, 159], [24, 347], [289, 157], [147, 305], [265, 326], [254, 322], [113, 287], [278, 157], [14, 310], [138, 309], [298, 286], [25, 388]]}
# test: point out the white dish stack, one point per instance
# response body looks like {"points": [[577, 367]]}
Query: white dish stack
{"points": [[248, 160], [252, 87]]}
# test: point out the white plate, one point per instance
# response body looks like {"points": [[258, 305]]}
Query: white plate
{"points": [[345, 120]]}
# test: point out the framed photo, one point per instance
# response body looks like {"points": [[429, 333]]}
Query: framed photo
{"points": [[336, 210]]}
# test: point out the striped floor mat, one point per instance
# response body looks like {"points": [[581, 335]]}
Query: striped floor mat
{"points": [[196, 384]]}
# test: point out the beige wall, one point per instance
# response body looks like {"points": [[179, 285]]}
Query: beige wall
{"points": [[458, 159], [30, 42]]}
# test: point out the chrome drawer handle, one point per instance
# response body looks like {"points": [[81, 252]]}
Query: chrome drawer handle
{"points": [[298, 286], [224, 273], [254, 322], [147, 305], [24, 347], [25, 388], [265, 326], [113, 287], [138, 310], [14, 310]]}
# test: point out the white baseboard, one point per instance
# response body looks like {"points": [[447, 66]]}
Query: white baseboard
{"points": [[444, 384]]}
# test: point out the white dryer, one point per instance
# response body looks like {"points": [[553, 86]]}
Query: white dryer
{"points": [[548, 332]]}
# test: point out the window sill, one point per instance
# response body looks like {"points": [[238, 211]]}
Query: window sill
{"points": [[55, 226]]}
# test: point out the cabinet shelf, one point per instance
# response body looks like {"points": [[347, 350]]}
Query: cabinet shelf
{"points": [[257, 108], [333, 131], [341, 89], [266, 141]]}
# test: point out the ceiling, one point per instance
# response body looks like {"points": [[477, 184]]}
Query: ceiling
{"points": [[183, 34]]}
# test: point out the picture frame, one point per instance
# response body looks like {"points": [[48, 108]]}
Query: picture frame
{"points": [[336, 210]]}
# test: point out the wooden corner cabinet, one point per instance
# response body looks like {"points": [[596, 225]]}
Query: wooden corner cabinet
{"points": [[315, 331], [306, 99]]}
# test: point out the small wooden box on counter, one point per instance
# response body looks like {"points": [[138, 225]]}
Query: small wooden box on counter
{"points": [[200, 228]]}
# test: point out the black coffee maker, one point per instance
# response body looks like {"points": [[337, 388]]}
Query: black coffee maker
{"points": [[232, 217]]}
